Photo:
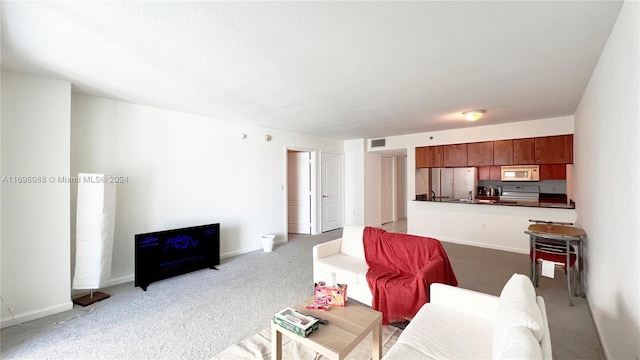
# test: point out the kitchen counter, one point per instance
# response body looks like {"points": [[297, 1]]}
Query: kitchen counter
{"points": [[497, 226], [554, 205]]}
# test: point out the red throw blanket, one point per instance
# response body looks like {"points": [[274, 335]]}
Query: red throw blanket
{"points": [[401, 268]]}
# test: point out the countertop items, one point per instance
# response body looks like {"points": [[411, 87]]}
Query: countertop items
{"points": [[494, 202]]}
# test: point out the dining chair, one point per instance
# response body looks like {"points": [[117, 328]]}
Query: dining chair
{"points": [[554, 251]]}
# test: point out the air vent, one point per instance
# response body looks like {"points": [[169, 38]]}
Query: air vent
{"points": [[378, 143]]}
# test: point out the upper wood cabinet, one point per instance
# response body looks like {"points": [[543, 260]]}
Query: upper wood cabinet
{"points": [[553, 172], [429, 156], [436, 158], [529, 151], [554, 149], [489, 172], [479, 154], [455, 155], [503, 152], [524, 152], [422, 157]]}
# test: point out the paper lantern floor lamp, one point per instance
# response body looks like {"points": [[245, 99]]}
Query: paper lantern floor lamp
{"points": [[95, 222]]}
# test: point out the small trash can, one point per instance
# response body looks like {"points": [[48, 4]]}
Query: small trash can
{"points": [[267, 242]]}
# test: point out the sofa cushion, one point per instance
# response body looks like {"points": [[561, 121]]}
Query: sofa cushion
{"points": [[348, 269], [401, 351], [352, 241], [516, 307], [441, 333], [521, 344]]}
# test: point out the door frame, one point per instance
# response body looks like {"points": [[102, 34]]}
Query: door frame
{"points": [[314, 188], [393, 190], [303, 193], [341, 190]]}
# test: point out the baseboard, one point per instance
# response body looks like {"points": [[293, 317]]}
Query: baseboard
{"points": [[484, 245], [248, 250], [131, 278], [111, 282], [605, 351], [37, 314]]}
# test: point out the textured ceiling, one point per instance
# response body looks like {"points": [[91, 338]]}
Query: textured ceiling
{"points": [[341, 70]]}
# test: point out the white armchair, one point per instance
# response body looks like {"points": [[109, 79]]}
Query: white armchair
{"points": [[345, 258]]}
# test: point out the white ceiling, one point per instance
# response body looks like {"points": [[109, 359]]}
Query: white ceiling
{"points": [[341, 70]]}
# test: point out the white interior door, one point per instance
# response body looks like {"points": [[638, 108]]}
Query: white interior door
{"points": [[387, 189], [332, 206], [299, 192]]}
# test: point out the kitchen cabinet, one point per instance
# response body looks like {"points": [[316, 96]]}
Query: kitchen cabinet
{"points": [[524, 152], [495, 173], [479, 154], [436, 156], [483, 172], [528, 151], [429, 156], [489, 172], [422, 157], [554, 149], [553, 172], [503, 152], [455, 155]]}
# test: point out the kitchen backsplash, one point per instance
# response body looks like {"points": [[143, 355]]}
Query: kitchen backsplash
{"points": [[546, 186]]}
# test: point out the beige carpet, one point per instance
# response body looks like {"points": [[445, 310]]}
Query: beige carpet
{"points": [[258, 346]]}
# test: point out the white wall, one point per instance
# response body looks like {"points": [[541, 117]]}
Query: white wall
{"points": [[606, 178], [36, 279], [185, 170], [354, 182]]}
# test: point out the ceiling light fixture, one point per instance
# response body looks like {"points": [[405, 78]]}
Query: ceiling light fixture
{"points": [[473, 115]]}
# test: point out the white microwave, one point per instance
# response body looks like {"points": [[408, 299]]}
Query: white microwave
{"points": [[520, 173]]}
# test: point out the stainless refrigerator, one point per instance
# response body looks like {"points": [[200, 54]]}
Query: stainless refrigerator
{"points": [[454, 183]]}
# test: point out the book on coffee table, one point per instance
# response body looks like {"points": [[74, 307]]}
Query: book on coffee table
{"points": [[296, 322]]}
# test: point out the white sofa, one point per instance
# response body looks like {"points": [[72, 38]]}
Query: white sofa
{"points": [[345, 258], [465, 324]]}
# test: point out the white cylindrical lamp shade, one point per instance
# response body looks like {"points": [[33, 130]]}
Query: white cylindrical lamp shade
{"points": [[95, 223]]}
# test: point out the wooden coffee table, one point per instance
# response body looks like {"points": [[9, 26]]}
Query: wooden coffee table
{"points": [[347, 327]]}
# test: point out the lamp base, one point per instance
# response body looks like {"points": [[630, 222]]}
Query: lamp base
{"points": [[89, 299]]}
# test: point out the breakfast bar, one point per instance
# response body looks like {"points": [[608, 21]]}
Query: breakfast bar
{"points": [[485, 225]]}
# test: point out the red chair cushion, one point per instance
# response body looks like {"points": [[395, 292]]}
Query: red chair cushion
{"points": [[555, 257]]}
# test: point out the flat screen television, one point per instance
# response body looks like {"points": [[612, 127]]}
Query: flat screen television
{"points": [[163, 254]]}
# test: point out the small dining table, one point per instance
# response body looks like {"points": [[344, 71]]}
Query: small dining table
{"points": [[562, 233]]}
